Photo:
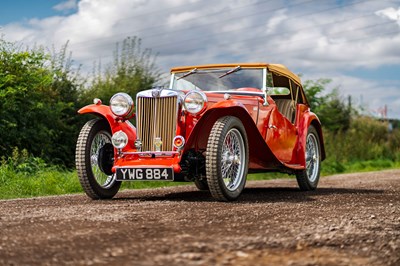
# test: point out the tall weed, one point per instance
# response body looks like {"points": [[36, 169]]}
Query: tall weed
{"points": [[366, 140], [22, 175]]}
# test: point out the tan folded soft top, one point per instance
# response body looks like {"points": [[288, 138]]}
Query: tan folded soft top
{"points": [[278, 68]]}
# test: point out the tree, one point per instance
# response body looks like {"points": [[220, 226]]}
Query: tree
{"points": [[335, 115], [132, 70], [41, 91], [66, 85], [331, 109], [23, 82], [314, 89], [38, 101]]}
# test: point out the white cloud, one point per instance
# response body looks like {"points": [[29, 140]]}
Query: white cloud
{"points": [[66, 5], [366, 94], [177, 19], [390, 13], [302, 37], [308, 38], [276, 20]]}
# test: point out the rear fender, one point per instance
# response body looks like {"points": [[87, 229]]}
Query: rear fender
{"points": [[309, 118], [104, 112], [260, 154]]}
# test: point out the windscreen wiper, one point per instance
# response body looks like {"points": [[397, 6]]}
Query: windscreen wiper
{"points": [[230, 71], [194, 70]]}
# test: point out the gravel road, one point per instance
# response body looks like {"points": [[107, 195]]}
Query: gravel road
{"points": [[352, 219]]}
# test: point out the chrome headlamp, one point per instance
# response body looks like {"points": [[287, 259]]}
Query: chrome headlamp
{"points": [[195, 102], [119, 139], [121, 104]]}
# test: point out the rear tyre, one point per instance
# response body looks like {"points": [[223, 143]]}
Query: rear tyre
{"points": [[94, 160], [308, 178], [227, 159], [201, 184]]}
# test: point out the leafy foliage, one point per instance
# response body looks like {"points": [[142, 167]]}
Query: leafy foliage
{"points": [[351, 140], [37, 104], [67, 86], [366, 139], [132, 70], [40, 92], [313, 90], [333, 112]]}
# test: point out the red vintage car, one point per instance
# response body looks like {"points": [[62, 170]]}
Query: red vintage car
{"points": [[211, 126]]}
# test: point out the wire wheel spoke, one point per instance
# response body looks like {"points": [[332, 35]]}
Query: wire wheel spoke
{"points": [[232, 159], [98, 142], [312, 158]]}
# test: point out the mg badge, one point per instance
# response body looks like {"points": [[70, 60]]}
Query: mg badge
{"points": [[156, 93]]}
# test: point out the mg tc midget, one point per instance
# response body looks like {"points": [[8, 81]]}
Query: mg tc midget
{"points": [[211, 126]]}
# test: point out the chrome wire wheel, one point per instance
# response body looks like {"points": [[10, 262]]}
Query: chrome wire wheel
{"points": [[308, 178], [312, 158], [227, 159], [232, 162], [94, 160], [99, 141]]}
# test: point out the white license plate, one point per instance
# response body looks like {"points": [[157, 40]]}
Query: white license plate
{"points": [[143, 173]]}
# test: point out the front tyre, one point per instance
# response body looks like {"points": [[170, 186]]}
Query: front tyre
{"points": [[227, 159], [94, 160], [308, 178]]}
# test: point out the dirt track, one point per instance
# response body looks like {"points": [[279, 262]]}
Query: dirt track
{"points": [[350, 220]]}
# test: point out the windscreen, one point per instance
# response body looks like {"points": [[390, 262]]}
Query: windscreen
{"points": [[218, 80]]}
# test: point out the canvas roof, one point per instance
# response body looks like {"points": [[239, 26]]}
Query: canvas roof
{"points": [[278, 68]]}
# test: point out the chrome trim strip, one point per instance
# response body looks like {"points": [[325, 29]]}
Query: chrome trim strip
{"points": [[246, 93], [152, 153], [264, 88], [171, 81], [163, 93]]}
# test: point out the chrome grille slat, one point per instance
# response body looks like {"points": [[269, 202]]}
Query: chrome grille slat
{"points": [[156, 117]]}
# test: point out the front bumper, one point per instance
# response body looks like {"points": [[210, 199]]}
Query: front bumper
{"points": [[149, 159]]}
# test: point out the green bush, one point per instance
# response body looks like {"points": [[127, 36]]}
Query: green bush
{"points": [[366, 145], [38, 103], [366, 139]]}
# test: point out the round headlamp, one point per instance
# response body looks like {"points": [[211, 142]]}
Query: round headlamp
{"points": [[179, 142], [195, 101], [119, 139], [121, 104]]}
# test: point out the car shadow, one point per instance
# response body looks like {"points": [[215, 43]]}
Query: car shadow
{"points": [[253, 195]]}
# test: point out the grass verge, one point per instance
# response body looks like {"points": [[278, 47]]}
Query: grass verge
{"points": [[51, 181]]}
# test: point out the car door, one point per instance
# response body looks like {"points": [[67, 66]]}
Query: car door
{"points": [[281, 134]]}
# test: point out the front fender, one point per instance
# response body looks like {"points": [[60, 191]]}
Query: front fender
{"points": [[227, 104], [260, 155], [104, 112], [198, 135]]}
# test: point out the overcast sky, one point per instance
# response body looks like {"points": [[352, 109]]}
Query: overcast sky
{"points": [[355, 43]]}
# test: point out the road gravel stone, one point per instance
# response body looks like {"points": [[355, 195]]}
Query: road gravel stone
{"points": [[351, 219]]}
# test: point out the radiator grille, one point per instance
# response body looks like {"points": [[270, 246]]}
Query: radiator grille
{"points": [[156, 117]]}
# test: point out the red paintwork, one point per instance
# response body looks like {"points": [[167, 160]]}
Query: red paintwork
{"points": [[274, 142], [303, 121], [104, 111], [282, 137], [135, 160]]}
